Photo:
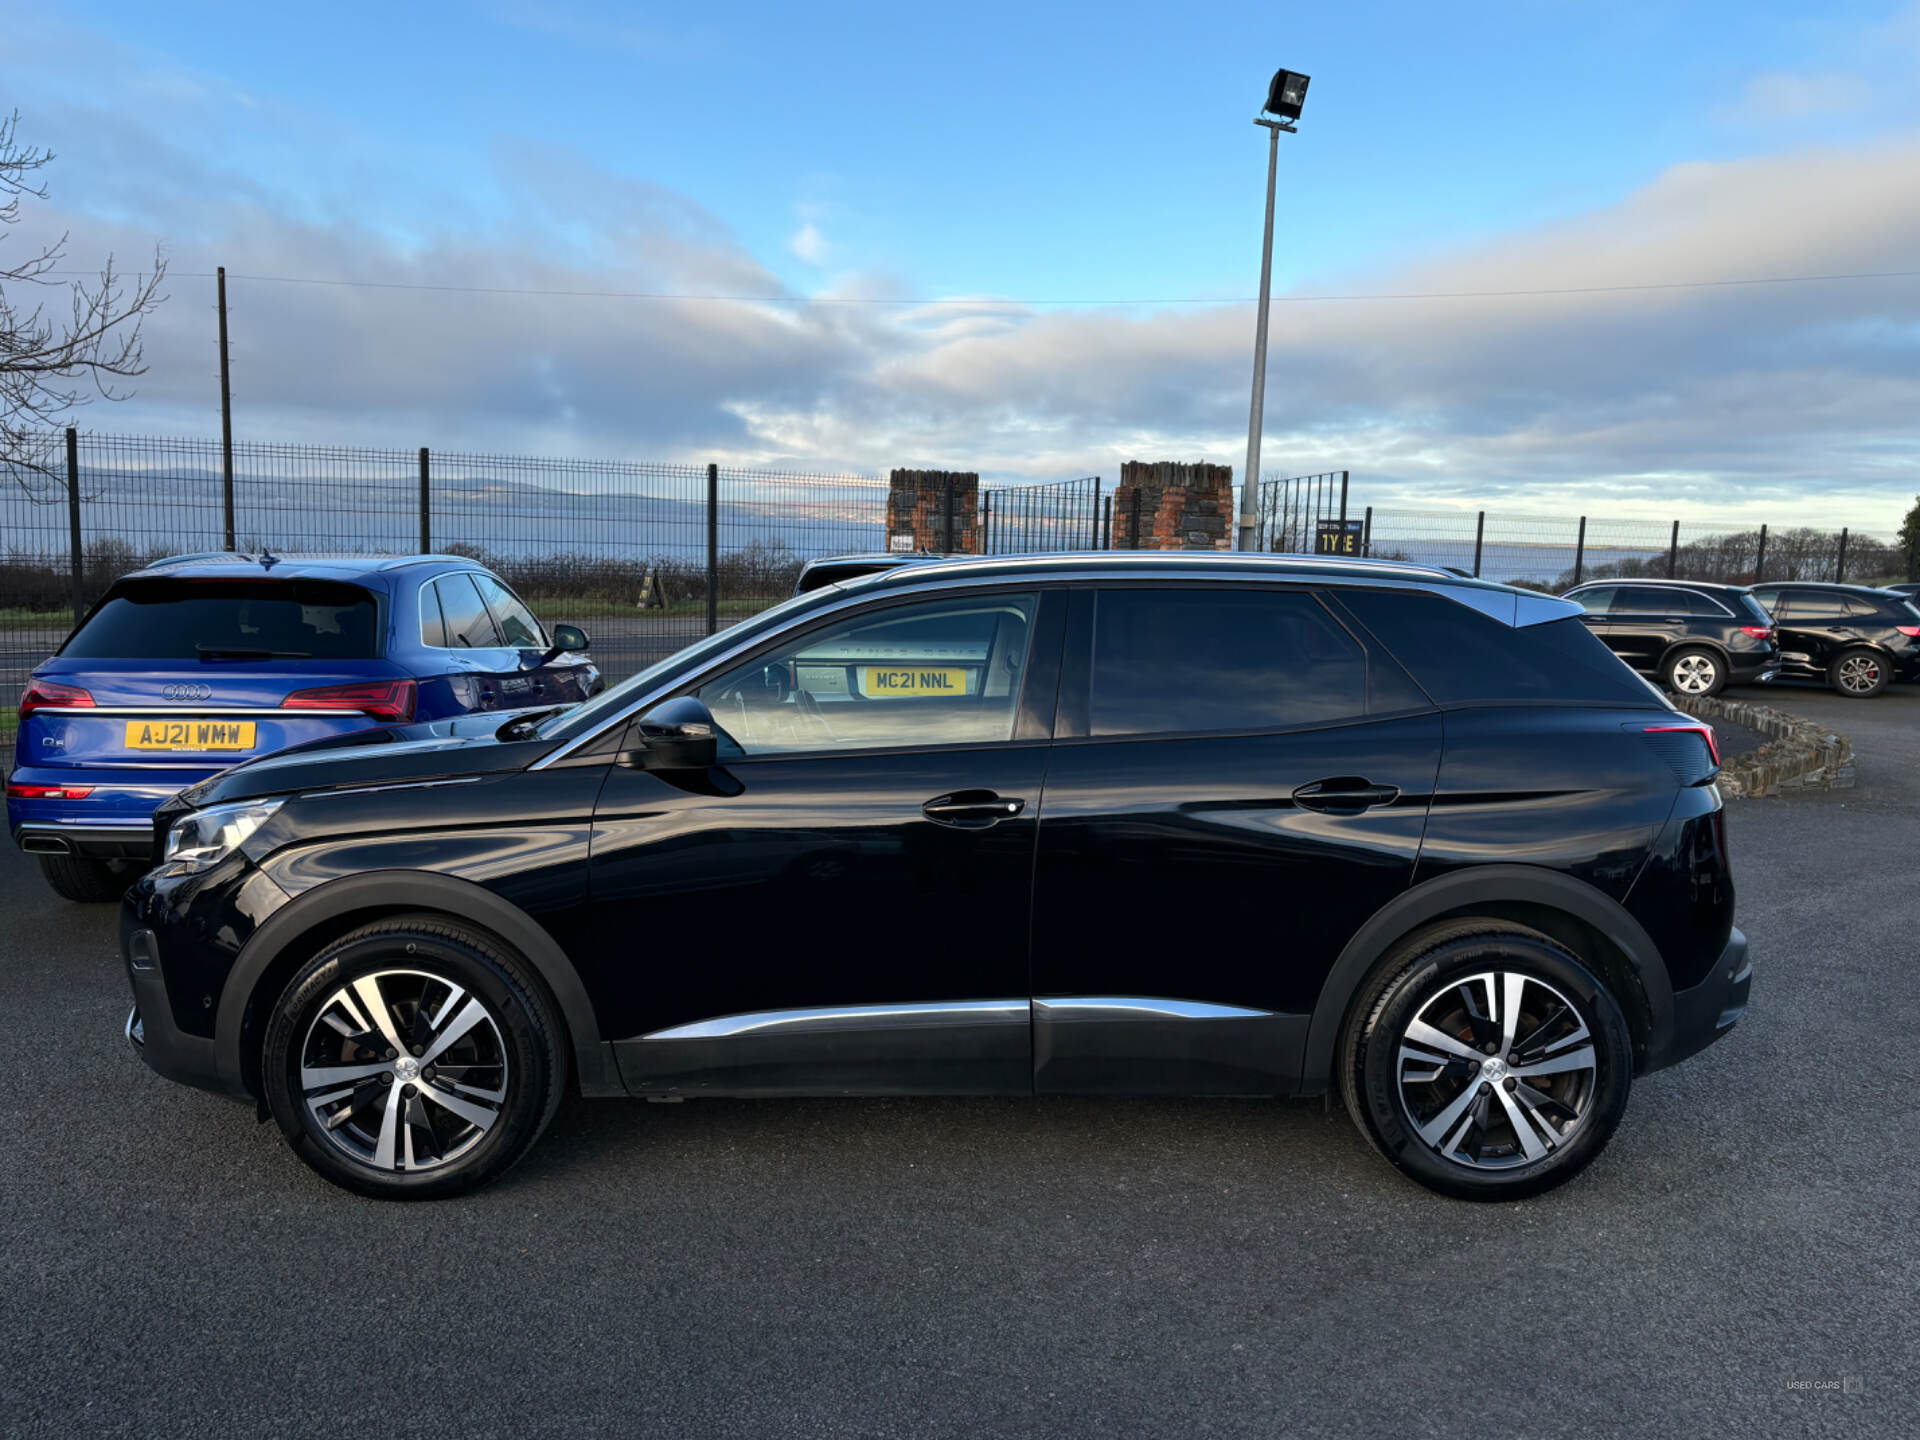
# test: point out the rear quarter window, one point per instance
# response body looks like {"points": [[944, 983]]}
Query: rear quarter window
{"points": [[185, 619], [1462, 657]]}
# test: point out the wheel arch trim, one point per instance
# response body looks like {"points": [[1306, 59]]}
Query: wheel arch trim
{"points": [[1493, 884], [389, 891]]}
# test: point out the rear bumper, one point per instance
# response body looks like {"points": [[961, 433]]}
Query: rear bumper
{"points": [[95, 842], [1753, 669], [1706, 1012]]}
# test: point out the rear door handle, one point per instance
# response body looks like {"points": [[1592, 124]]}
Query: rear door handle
{"points": [[1344, 795], [971, 809]]}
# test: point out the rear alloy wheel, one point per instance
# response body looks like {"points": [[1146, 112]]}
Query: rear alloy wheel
{"points": [[75, 877], [1694, 672], [413, 1058], [1858, 674], [1489, 1065]]}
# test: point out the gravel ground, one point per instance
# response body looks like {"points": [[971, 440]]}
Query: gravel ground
{"points": [[986, 1267]]}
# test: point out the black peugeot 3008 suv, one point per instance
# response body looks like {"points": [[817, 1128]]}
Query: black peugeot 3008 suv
{"points": [[1856, 638], [1101, 824], [1695, 638]]}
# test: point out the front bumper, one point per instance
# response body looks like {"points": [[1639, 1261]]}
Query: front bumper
{"points": [[1704, 1013], [178, 940]]}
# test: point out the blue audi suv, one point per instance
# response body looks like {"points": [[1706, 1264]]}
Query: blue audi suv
{"points": [[199, 662]]}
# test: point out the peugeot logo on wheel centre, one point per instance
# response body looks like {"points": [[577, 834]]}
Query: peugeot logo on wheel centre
{"points": [[187, 692]]}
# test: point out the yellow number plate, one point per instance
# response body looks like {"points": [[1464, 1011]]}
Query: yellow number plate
{"points": [[189, 734], [885, 682]]}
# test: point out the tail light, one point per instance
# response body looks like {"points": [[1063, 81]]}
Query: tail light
{"points": [[51, 695], [1912, 632], [382, 699], [1698, 727], [1765, 632], [48, 792]]}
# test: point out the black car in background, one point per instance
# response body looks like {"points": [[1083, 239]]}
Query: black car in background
{"points": [[1070, 825], [1694, 638], [1857, 638]]}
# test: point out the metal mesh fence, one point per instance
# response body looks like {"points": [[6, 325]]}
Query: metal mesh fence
{"points": [[646, 556], [1288, 509], [1555, 552], [1062, 515]]}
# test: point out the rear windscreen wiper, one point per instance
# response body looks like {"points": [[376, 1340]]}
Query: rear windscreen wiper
{"points": [[230, 652]]}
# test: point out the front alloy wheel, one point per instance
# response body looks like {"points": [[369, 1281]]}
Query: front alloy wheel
{"points": [[415, 1057], [1486, 1061], [404, 1070]]}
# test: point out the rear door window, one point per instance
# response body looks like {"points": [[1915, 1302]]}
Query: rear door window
{"points": [[1816, 605], [469, 626], [1650, 600], [187, 619], [1193, 661], [510, 612], [1462, 657]]}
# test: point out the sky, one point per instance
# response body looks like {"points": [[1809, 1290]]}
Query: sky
{"points": [[1023, 239]]}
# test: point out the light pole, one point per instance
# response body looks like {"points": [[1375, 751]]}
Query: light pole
{"points": [[1285, 96]]}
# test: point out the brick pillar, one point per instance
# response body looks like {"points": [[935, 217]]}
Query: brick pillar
{"points": [[1181, 507], [915, 516]]}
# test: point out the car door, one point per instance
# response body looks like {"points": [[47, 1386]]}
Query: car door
{"points": [[1812, 628], [1238, 781], [475, 659], [560, 681], [842, 906], [1643, 622]]}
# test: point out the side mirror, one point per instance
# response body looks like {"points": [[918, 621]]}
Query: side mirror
{"points": [[566, 639], [677, 734]]}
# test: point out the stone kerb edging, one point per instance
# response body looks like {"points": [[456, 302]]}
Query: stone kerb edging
{"points": [[1799, 755]]}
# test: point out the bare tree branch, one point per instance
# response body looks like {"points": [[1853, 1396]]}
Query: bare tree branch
{"points": [[49, 369]]}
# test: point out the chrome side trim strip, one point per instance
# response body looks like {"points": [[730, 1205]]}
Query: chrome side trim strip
{"points": [[1510, 607], [1137, 1007], [849, 1017], [190, 711], [393, 785]]}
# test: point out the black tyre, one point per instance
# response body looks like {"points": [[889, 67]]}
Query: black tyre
{"points": [[1486, 1062], [1694, 670], [414, 1058], [74, 877], [1859, 674]]}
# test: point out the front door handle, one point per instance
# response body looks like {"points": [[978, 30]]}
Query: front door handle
{"points": [[1344, 795], [971, 809]]}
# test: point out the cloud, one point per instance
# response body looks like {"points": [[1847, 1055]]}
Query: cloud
{"points": [[809, 244], [1791, 401], [1786, 95]]}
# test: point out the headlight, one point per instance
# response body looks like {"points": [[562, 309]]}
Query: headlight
{"points": [[202, 839]]}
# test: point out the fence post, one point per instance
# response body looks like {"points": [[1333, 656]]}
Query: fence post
{"points": [[986, 523], [1106, 522], [1479, 541], [713, 549], [426, 528], [226, 412], [1673, 553], [74, 561], [1760, 560], [946, 514], [1366, 534], [1580, 552], [1343, 500], [1840, 563]]}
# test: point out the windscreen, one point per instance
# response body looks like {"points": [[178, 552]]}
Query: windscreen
{"points": [[181, 619]]}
